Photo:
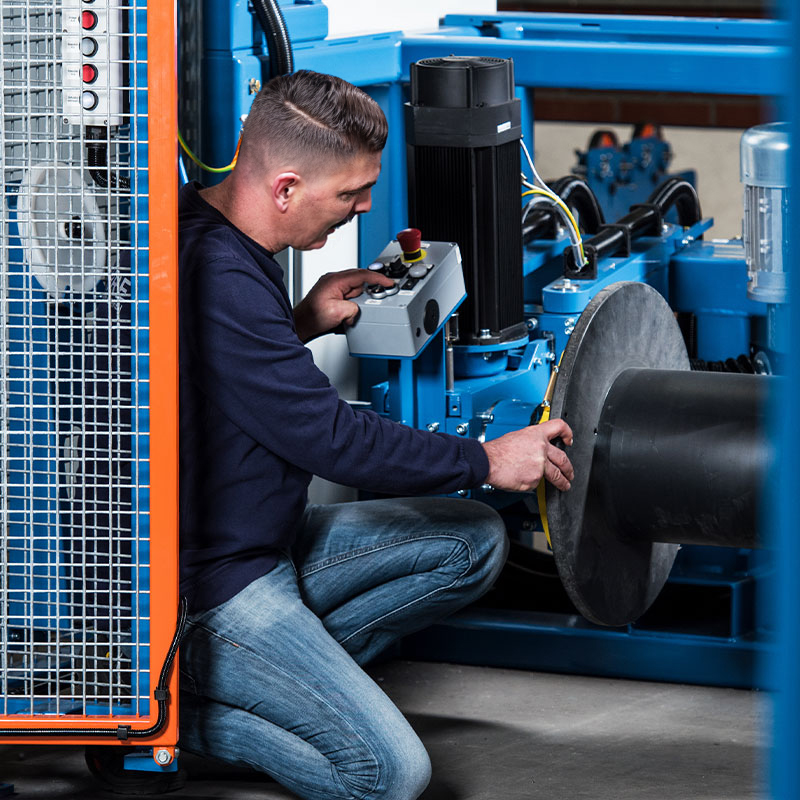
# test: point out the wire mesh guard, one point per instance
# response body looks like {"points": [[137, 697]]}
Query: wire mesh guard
{"points": [[74, 444]]}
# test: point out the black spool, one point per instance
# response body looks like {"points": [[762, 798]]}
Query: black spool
{"points": [[663, 455], [463, 131], [682, 456]]}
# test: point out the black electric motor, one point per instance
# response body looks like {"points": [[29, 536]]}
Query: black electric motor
{"points": [[463, 131]]}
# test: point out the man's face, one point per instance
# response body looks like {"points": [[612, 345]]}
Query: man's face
{"points": [[327, 201]]}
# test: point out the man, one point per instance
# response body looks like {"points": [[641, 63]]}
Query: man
{"points": [[288, 601]]}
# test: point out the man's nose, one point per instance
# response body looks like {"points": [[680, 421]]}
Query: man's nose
{"points": [[363, 203]]}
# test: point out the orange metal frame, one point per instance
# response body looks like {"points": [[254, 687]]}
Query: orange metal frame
{"points": [[163, 293]]}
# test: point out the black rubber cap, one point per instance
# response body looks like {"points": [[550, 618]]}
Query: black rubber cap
{"points": [[431, 319]]}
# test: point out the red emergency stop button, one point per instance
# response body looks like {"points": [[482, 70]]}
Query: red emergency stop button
{"points": [[89, 73], [410, 240], [88, 20]]}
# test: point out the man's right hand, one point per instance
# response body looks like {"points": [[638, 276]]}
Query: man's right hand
{"points": [[519, 460]]}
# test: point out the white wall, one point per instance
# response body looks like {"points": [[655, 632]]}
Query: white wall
{"points": [[347, 17]]}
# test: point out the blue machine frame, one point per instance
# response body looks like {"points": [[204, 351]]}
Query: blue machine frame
{"points": [[733, 57]]}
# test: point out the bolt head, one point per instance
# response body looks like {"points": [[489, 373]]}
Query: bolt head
{"points": [[163, 757], [462, 428]]}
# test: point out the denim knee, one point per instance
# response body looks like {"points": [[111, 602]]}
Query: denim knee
{"points": [[404, 771], [489, 544]]}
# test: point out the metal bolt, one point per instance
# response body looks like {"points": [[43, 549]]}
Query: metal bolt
{"points": [[487, 487], [485, 333], [462, 492], [565, 285], [432, 427], [462, 429], [532, 323], [163, 757], [569, 325], [485, 415], [549, 356]]}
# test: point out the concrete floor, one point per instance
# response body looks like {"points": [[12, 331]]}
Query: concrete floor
{"points": [[498, 734]]}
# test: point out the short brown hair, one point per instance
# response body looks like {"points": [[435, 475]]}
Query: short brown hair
{"points": [[311, 114]]}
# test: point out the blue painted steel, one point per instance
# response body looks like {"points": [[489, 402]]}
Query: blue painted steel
{"points": [[604, 65], [622, 175], [782, 509], [709, 279], [141, 760], [568, 643]]}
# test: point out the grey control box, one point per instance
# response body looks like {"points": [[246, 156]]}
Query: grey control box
{"points": [[396, 322]]}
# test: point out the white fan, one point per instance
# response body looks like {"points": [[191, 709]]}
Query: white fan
{"points": [[61, 230]]}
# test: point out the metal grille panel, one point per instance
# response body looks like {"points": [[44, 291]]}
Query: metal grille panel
{"points": [[74, 344]]}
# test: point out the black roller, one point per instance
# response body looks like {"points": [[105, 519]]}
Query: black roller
{"points": [[680, 456], [662, 455]]}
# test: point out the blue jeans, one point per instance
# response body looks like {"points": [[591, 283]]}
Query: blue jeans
{"points": [[272, 678]]}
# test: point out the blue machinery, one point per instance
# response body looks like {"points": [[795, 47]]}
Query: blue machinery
{"points": [[714, 635]]}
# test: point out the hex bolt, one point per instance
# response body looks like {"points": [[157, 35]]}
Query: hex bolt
{"points": [[163, 757], [532, 323], [462, 492], [432, 427], [462, 429]]}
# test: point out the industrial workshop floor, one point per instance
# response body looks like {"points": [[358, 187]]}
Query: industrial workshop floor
{"points": [[498, 734]]}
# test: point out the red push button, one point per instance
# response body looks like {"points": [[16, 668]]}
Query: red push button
{"points": [[88, 20], [89, 73], [410, 240]]}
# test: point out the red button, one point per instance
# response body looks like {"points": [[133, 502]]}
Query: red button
{"points": [[89, 73], [88, 20], [410, 240]]}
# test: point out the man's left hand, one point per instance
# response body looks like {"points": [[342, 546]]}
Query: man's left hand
{"points": [[328, 305]]}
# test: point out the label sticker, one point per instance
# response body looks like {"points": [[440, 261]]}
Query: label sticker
{"points": [[504, 126], [406, 292], [372, 302]]}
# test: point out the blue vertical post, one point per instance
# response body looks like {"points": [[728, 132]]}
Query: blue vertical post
{"points": [[783, 493]]}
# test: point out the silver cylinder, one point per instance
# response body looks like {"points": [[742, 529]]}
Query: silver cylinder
{"points": [[765, 228]]}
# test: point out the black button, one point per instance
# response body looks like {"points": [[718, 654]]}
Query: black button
{"points": [[431, 319], [396, 269]]}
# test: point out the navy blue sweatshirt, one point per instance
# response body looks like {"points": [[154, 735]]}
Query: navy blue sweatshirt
{"points": [[258, 418]]}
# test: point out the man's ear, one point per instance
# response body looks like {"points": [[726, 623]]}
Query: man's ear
{"points": [[284, 188]]}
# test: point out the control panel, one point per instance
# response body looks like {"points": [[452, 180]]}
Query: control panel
{"points": [[92, 57], [397, 321]]}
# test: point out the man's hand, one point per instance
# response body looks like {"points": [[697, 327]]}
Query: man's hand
{"points": [[519, 460], [329, 305]]}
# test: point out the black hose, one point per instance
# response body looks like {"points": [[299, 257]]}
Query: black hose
{"points": [[681, 194], [271, 19], [577, 194], [540, 223], [124, 732], [644, 219], [97, 157]]}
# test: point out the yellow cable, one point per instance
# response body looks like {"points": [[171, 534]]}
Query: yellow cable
{"points": [[562, 205], [204, 166], [541, 496]]}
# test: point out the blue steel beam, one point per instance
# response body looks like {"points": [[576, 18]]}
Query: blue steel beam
{"points": [[783, 667], [633, 53]]}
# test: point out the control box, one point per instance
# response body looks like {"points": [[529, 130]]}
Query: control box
{"points": [[397, 322], [92, 57]]}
